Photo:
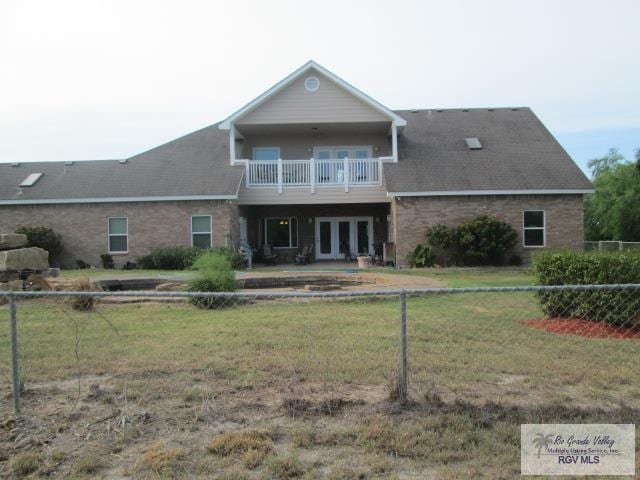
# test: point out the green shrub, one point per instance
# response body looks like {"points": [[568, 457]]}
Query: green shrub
{"points": [[420, 257], [181, 258], [616, 307], [214, 274], [44, 238], [480, 241], [237, 261], [107, 261], [170, 258]]}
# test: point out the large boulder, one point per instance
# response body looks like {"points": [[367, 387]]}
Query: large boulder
{"points": [[32, 258], [12, 240]]}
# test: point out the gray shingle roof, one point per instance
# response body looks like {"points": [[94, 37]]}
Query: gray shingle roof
{"points": [[193, 165], [518, 153]]}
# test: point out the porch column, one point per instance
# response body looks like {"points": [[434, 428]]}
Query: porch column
{"points": [[279, 175], [312, 174], [346, 174]]}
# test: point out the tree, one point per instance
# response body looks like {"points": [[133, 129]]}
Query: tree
{"points": [[613, 211]]}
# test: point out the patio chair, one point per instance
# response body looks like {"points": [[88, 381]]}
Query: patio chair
{"points": [[268, 256], [304, 257]]}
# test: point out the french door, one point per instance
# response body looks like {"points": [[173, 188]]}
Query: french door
{"points": [[340, 236]]}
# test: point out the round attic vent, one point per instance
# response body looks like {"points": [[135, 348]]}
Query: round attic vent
{"points": [[312, 84]]}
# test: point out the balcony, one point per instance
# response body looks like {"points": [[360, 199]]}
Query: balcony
{"points": [[314, 173]]}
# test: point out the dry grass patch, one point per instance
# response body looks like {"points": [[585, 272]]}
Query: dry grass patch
{"points": [[303, 435], [286, 467], [341, 472], [252, 459], [88, 464], [25, 463], [230, 443], [159, 459], [296, 406]]}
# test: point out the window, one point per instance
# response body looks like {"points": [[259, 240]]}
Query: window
{"points": [[533, 225], [201, 231], [266, 153], [118, 234], [326, 153], [281, 232]]}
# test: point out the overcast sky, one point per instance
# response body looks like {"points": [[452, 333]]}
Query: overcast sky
{"points": [[108, 79]]}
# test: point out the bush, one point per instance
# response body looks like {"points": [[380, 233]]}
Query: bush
{"points": [[84, 303], [237, 261], [480, 241], [181, 258], [170, 258], [616, 307], [420, 257], [44, 238], [214, 274], [107, 261]]}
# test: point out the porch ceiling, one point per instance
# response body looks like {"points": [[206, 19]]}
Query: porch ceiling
{"points": [[314, 129]]}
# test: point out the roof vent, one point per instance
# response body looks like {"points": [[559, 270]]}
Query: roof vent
{"points": [[15, 164], [69, 163], [31, 180], [473, 143], [312, 84], [415, 110], [122, 161]]}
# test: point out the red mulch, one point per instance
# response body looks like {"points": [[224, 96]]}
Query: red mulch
{"points": [[583, 328]]}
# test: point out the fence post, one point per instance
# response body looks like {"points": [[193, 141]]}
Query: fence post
{"points": [[403, 381], [15, 369]]}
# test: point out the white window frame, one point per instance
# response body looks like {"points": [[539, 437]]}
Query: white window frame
{"points": [[543, 228], [351, 149], [109, 235], [210, 232], [266, 238], [256, 149]]}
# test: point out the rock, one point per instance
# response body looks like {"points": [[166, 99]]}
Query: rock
{"points": [[16, 285], [32, 258], [12, 240]]}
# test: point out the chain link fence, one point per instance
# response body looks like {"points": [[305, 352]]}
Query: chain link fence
{"points": [[611, 246], [250, 354]]}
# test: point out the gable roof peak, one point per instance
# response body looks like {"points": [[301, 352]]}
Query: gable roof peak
{"points": [[311, 64]]}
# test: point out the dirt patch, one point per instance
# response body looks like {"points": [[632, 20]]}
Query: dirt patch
{"points": [[583, 328]]}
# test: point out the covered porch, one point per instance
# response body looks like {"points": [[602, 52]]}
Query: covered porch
{"points": [[331, 232]]}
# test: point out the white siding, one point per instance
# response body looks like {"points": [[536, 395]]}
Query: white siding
{"points": [[303, 195], [294, 104]]}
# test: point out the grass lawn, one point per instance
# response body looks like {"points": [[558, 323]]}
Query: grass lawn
{"points": [[457, 277], [306, 385]]}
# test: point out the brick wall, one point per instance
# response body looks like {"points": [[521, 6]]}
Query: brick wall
{"points": [[411, 216], [83, 227]]}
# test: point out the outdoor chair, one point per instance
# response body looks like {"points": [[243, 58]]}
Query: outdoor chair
{"points": [[268, 256], [304, 257]]}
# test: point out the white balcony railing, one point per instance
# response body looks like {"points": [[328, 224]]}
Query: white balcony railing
{"points": [[312, 173]]}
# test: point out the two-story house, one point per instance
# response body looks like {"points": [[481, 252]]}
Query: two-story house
{"points": [[313, 160]]}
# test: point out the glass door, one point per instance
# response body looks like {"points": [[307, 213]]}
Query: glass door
{"points": [[324, 239], [363, 237]]}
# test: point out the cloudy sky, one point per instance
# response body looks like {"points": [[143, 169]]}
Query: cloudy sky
{"points": [[108, 79]]}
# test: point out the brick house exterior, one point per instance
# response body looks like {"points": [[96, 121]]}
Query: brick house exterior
{"points": [[312, 161], [564, 217]]}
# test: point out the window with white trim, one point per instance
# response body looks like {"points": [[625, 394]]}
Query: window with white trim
{"points": [[201, 231], [533, 222], [281, 232], [266, 153], [118, 234]]}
